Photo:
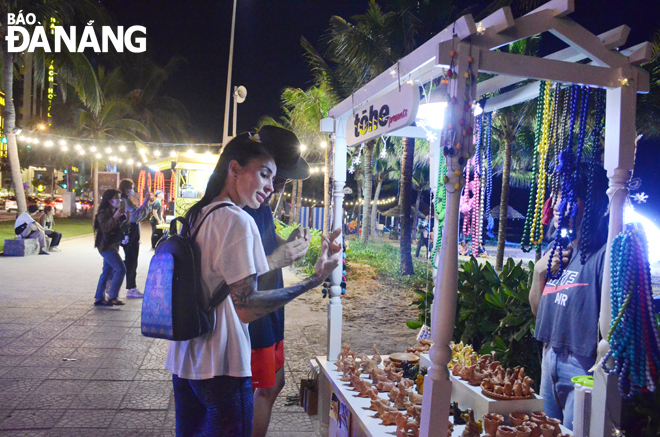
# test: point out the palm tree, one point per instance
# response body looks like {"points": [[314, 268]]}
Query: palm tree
{"points": [[64, 11]]}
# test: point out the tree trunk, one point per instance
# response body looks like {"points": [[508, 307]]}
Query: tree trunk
{"points": [[278, 205], [27, 87], [299, 202], [10, 123], [97, 198], [504, 205], [327, 191], [405, 202], [294, 204], [366, 191], [374, 208]]}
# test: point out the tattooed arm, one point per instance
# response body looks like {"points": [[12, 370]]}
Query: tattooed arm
{"points": [[251, 304]]}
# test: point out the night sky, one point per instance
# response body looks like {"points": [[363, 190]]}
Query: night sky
{"points": [[268, 56]]}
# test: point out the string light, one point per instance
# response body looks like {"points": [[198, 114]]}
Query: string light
{"points": [[108, 150], [156, 152], [62, 143], [92, 149], [172, 154], [122, 148], [48, 144], [64, 148], [324, 144]]}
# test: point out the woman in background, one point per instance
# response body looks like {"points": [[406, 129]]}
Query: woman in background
{"points": [[110, 226]]}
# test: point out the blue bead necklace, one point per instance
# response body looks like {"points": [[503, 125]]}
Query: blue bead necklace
{"points": [[567, 172], [634, 338], [589, 219]]}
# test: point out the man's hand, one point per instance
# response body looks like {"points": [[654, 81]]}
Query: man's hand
{"points": [[288, 253], [301, 233], [327, 261]]}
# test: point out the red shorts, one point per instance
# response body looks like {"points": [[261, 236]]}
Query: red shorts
{"points": [[265, 363]]}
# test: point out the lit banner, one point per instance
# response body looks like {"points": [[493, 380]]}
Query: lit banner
{"points": [[395, 110]]}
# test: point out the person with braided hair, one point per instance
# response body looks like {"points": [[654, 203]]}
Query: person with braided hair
{"points": [[567, 308]]}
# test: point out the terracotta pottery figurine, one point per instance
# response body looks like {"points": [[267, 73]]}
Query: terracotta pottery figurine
{"points": [[414, 397], [517, 419], [372, 393], [476, 378], [384, 406], [456, 370], [413, 410], [523, 431], [536, 431], [539, 417], [406, 383], [506, 431], [472, 428], [389, 417], [547, 430], [384, 386], [364, 388], [400, 400], [393, 394], [406, 426], [376, 357], [492, 421], [347, 376], [554, 422]]}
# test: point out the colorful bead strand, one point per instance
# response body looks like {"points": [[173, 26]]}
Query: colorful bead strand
{"points": [[634, 338]]}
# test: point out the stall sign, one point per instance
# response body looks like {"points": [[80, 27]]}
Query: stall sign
{"points": [[107, 181], [388, 113]]}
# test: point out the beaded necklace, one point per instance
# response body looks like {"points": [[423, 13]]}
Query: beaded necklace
{"points": [[559, 147], [536, 231], [489, 167], [566, 171], [589, 219], [527, 236], [633, 337]]}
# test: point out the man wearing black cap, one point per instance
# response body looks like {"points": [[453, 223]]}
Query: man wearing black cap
{"points": [[267, 333], [156, 218]]}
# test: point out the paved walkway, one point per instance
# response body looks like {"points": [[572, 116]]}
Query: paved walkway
{"points": [[68, 368]]}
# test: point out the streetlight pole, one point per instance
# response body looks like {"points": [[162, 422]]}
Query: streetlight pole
{"points": [[228, 95]]}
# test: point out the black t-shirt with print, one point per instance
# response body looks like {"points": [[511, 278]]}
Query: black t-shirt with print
{"points": [[570, 306]]}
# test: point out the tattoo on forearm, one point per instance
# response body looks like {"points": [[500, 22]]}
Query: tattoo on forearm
{"points": [[245, 296]]}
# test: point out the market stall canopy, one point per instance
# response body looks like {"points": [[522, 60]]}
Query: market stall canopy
{"points": [[510, 213], [396, 212]]}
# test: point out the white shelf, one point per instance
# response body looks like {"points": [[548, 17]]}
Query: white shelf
{"points": [[364, 421]]}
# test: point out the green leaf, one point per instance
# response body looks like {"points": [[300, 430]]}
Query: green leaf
{"points": [[413, 324]]}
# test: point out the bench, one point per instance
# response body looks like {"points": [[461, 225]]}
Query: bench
{"points": [[22, 246]]}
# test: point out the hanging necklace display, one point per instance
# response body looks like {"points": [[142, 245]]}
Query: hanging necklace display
{"points": [[589, 219], [568, 169], [633, 336], [526, 241], [559, 146]]}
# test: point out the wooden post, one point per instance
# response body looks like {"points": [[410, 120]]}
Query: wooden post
{"points": [[620, 137], [437, 386]]}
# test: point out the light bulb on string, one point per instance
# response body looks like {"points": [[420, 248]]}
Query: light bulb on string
{"points": [[77, 147], [324, 144], [130, 161], [156, 152], [98, 156], [303, 147], [48, 144], [81, 152], [122, 148], [120, 160], [108, 150], [62, 143], [139, 164], [92, 149], [172, 154], [22, 138], [36, 141], [64, 148]]}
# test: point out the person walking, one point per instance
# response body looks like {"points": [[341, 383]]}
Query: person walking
{"points": [[47, 221], [110, 225], [156, 218], [131, 244], [211, 374]]}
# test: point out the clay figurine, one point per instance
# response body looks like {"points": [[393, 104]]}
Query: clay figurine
{"points": [[384, 386], [414, 397], [506, 431], [405, 426], [376, 357], [518, 419], [491, 422], [472, 428]]}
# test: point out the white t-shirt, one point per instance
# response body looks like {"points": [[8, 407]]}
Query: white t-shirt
{"points": [[231, 250]]}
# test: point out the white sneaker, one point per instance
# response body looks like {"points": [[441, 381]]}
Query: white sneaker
{"points": [[55, 249], [134, 293]]}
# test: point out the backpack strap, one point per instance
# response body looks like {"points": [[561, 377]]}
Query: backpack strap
{"points": [[222, 291]]}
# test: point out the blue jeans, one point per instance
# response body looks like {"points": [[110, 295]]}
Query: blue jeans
{"points": [[113, 271], [557, 369], [218, 407]]}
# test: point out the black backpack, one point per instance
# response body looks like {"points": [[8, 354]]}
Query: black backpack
{"points": [[172, 307]]}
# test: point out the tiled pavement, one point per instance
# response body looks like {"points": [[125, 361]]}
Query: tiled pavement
{"points": [[68, 368]]}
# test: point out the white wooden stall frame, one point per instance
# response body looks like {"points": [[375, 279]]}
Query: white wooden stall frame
{"points": [[616, 71]]}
